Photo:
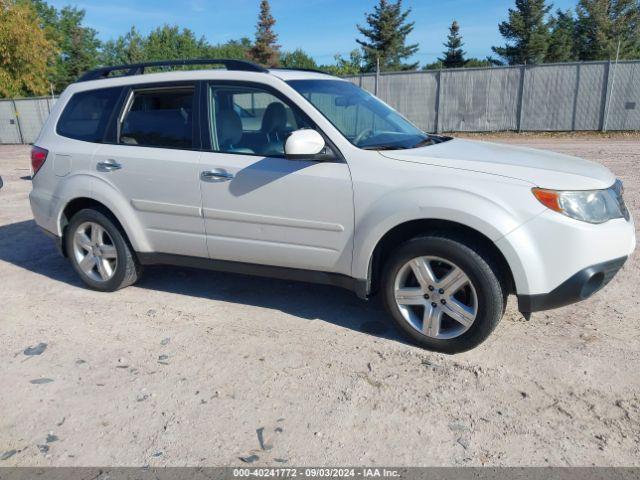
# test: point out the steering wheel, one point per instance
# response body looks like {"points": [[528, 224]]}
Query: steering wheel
{"points": [[363, 135]]}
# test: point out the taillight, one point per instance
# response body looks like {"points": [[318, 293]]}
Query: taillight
{"points": [[38, 156]]}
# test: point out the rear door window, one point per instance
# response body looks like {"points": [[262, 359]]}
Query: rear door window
{"points": [[87, 114], [159, 118]]}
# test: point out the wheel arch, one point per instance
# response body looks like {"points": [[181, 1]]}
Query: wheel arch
{"points": [[413, 228], [133, 231]]}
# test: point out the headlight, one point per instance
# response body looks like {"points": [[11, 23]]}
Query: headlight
{"points": [[593, 206]]}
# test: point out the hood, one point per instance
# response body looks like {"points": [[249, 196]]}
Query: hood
{"points": [[544, 169]]}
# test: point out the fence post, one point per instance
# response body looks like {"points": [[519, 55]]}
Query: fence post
{"points": [[605, 103], [17, 115], [377, 75], [438, 101], [523, 71]]}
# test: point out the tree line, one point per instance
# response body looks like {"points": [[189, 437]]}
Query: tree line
{"points": [[43, 49]]}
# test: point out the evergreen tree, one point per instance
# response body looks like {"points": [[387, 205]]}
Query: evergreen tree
{"points": [[601, 24], [265, 50], [453, 55], [526, 33], [385, 37], [298, 59], [562, 38]]}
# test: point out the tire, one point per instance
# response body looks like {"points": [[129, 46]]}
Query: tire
{"points": [[481, 294], [104, 240]]}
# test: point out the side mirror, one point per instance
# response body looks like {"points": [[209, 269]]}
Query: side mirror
{"points": [[304, 144]]}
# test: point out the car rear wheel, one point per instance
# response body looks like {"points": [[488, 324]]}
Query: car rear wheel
{"points": [[444, 295], [99, 252]]}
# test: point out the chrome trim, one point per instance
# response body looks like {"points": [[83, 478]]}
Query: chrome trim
{"points": [[108, 165], [215, 175]]}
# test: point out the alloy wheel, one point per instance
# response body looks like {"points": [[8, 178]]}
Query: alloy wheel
{"points": [[435, 297], [95, 252]]}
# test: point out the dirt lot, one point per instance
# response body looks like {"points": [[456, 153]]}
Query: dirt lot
{"points": [[201, 368]]}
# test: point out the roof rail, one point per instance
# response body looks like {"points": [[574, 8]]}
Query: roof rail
{"points": [[293, 69], [138, 68]]}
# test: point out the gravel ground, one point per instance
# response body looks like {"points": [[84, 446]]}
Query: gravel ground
{"points": [[201, 368]]}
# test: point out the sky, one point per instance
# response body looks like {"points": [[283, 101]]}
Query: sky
{"points": [[322, 28]]}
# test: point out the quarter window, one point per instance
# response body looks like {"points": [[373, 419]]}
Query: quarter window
{"points": [[87, 114], [159, 118]]}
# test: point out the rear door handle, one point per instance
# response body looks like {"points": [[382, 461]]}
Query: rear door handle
{"points": [[108, 166], [216, 175]]}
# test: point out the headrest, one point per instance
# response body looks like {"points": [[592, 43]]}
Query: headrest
{"points": [[275, 118]]}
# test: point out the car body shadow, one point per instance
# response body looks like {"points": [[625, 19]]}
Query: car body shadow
{"points": [[24, 245]]}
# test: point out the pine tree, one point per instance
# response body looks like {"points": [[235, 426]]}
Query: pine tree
{"points": [[601, 24], [453, 55], [385, 37], [265, 49], [526, 33], [562, 38]]}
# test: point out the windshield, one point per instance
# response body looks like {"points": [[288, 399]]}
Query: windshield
{"points": [[364, 120]]}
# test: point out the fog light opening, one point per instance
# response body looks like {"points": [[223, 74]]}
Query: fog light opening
{"points": [[594, 284]]}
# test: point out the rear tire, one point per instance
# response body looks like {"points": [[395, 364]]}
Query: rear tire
{"points": [[100, 252], [445, 314]]}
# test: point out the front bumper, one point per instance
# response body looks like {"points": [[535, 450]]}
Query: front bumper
{"points": [[578, 287], [546, 251]]}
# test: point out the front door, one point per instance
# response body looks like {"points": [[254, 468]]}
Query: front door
{"points": [[261, 208], [155, 164]]}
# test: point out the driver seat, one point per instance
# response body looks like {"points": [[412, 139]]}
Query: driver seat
{"points": [[229, 129]]}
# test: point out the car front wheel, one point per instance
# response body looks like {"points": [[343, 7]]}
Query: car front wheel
{"points": [[443, 294]]}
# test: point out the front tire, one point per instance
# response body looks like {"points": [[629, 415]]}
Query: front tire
{"points": [[444, 295], [99, 251]]}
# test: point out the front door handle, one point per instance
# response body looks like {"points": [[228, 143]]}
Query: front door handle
{"points": [[108, 166], [216, 175]]}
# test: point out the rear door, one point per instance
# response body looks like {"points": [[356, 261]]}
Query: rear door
{"points": [[154, 163]]}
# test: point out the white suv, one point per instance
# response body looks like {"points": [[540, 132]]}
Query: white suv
{"points": [[300, 175]]}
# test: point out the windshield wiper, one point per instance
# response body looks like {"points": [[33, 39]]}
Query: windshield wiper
{"points": [[383, 147], [424, 142]]}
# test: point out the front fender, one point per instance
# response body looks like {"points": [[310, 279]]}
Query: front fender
{"points": [[488, 216]]}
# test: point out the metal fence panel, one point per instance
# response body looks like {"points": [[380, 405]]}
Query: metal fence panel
{"points": [[32, 113], [591, 80], [479, 100], [413, 94], [368, 82], [553, 97], [548, 97], [9, 132], [624, 97]]}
